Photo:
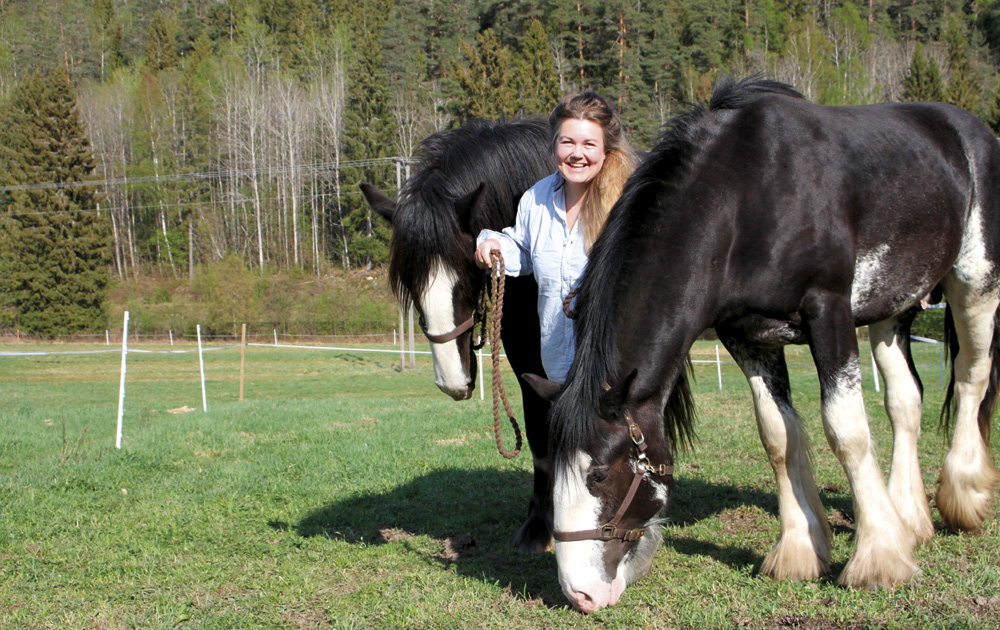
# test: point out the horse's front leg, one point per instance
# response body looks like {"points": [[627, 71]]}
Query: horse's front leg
{"points": [[535, 534], [803, 547], [883, 553]]}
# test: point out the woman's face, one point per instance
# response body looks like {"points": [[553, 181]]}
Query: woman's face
{"points": [[580, 150]]}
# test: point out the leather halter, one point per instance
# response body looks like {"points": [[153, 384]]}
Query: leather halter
{"points": [[610, 530], [448, 336]]}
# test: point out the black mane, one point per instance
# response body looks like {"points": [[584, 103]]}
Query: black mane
{"points": [[597, 357], [507, 157]]}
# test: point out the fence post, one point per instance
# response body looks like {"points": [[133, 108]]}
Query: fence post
{"points": [[874, 367], [243, 358], [402, 344], [201, 364], [121, 386], [718, 366], [413, 355]]}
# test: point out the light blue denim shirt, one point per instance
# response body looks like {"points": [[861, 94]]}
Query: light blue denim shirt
{"points": [[540, 242]]}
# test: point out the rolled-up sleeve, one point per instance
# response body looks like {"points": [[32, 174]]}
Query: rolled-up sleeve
{"points": [[513, 247], [540, 243]]}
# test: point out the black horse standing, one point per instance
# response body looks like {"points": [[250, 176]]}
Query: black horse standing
{"points": [[777, 221], [469, 179]]}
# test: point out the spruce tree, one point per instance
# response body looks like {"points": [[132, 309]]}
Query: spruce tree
{"points": [[537, 81], [59, 243], [485, 80], [963, 88], [161, 52], [368, 135], [923, 82]]}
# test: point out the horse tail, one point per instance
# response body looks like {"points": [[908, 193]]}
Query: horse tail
{"points": [[989, 404], [679, 414]]}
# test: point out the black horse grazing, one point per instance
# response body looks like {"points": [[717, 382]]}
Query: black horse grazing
{"points": [[777, 221], [469, 179]]}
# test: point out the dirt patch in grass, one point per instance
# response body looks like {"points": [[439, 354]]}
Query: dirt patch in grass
{"points": [[360, 422], [744, 519], [805, 622], [458, 547], [841, 523], [389, 534], [307, 619]]}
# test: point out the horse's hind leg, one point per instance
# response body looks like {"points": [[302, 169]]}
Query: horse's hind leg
{"points": [[903, 403], [968, 480], [803, 547], [883, 553]]}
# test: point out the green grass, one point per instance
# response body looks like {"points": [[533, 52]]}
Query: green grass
{"points": [[342, 493]]}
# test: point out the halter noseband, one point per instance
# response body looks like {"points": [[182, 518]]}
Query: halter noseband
{"points": [[610, 530], [448, 336]]}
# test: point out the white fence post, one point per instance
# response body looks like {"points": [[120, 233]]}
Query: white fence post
{"points": [[121, 386], [201, 363], [718, 366], [874, 371]]}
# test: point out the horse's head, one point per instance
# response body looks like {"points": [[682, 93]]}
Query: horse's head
{"points": [[432, 265], [612, 476]]}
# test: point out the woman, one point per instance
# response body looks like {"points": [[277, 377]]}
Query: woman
{"points": [[560, 217]]}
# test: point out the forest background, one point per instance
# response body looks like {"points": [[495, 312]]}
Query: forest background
{"points": [[198, 161]]}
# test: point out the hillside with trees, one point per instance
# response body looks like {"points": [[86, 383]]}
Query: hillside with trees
{"points": [[212, 129]]}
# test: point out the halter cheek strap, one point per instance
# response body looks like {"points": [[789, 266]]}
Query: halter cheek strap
{"points": [[610, 530]]}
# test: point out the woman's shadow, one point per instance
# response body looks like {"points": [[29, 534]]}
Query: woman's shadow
{"points": [[466, 520]]}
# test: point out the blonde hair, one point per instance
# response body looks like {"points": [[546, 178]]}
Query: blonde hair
{"points": [[619, 162]]}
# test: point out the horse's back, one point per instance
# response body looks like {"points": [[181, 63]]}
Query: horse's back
{"points": [[862, 198]]}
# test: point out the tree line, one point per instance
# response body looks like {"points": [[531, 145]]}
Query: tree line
{"points": [[216, 127]]}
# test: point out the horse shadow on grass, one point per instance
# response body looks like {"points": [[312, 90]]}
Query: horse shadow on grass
{"points": [[465, 520]]}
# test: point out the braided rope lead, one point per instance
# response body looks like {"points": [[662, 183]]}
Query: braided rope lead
{"points": [[497, 274]]}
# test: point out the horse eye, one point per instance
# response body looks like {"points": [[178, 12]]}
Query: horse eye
{"points": [[598, 475]]}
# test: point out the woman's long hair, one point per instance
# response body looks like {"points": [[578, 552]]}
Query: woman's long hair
{"points": [[619, 162]]}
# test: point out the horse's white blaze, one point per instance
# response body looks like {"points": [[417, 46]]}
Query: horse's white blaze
{"points": [[582, 573], [438, 306], [581, 563]]}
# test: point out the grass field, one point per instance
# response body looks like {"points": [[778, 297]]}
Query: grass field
{"points": [[342, 493]]}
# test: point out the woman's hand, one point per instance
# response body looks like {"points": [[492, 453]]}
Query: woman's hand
{"points": [[484, 253]]}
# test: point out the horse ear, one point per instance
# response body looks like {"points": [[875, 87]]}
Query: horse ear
{"points": [[467, 206], [614, 398], [379, 202], [546, 389]]}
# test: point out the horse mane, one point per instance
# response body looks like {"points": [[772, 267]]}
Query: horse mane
{"points": [[508, 158], [571, 421]]}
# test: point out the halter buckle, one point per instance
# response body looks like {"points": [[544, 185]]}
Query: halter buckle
{"points": [[608, 531], [634, 429], [632, 535]]}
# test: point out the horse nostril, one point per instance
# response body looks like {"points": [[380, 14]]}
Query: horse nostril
{"points": [[584, 602]]}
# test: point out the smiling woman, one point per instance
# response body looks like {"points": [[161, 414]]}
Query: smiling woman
{"points": [[561, 216]]}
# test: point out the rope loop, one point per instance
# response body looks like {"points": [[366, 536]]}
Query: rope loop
{"points": [[498, 273]]}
